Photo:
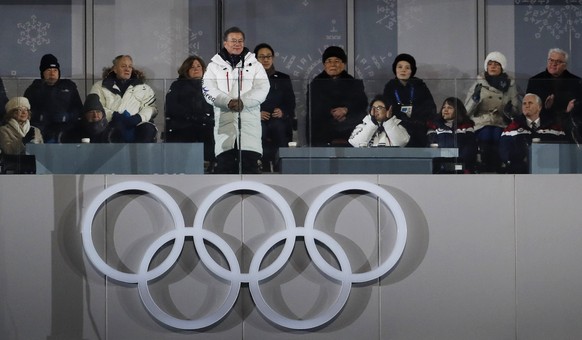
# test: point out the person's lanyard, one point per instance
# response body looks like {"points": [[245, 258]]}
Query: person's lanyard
{"points": [[398, 96]]}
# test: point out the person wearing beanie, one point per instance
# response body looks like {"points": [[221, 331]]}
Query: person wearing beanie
{"points": [[413, 102], [129, 103], [17, 131], [492, 102], [336, 102], [236, 84], [278, 110], [55, 102], [561, 93], [92, 126]]}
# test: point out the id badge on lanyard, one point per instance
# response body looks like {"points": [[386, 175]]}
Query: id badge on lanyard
{"points": [[406, 109]]}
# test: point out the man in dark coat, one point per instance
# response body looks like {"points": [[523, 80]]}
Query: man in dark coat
{"points": [[55, 102], [336, 102]]}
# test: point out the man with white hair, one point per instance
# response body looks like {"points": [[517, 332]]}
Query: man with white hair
{"points": [[560, 92], [519, 134]]}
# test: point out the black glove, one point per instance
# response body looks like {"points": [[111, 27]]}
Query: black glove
{"points": [[508, 111], [131, 121], [477, 92]]}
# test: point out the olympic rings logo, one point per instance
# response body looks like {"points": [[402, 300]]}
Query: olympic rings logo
{"points": [[256, 274]]}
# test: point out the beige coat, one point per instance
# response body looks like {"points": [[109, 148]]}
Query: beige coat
{"points": [[489, 109]]}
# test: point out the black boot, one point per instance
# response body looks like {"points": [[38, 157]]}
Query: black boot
{"points": [[251, 162], [226, 163]]}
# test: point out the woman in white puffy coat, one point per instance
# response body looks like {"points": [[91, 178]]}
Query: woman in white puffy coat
{"points": [[379, 128], [235, 73]]}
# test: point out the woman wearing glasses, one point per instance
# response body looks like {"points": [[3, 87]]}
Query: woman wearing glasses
{"points": [[380, 127], [17, 131]]}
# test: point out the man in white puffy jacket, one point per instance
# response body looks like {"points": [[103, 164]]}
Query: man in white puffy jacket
{"points": [[236, 83], [379, 128], [129, 103]]}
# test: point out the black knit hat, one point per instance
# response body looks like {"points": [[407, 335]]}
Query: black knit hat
{"points": [[93, 103], [49, 61], [409, 59], [334, 51]]}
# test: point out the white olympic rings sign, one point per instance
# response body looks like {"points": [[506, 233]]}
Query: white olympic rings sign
{"points": [[256, 274]]}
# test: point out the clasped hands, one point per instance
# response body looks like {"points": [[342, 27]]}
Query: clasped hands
{"points": [[235, 105], [126, 119], [277, 113], [339, 113]]}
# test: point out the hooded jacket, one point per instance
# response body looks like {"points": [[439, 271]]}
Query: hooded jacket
{"points": [[137, 99], [221, 85]]}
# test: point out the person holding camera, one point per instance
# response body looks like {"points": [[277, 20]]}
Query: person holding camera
{"points": [[380, 127]]}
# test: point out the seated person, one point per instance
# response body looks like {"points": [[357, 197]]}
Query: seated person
{"points": [[278, 110], [517, 136], [93, 125], [413, 102], [380, 127], [17, 131], [336, 102], [189, 118], [454, 129], [55, 102], [129, 103]]}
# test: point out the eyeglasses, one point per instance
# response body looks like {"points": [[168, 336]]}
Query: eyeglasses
{"points": [[378, 108], [261, 57], [233, 41], [21, 109], [555, 61]]}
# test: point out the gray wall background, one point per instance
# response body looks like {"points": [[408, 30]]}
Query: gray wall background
{"points": [[488, 257], [449, 38]]}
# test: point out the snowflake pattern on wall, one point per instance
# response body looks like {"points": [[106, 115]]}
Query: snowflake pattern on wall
{"points": [[390, 17], [558, 21], [167, 45], [33, 33]]}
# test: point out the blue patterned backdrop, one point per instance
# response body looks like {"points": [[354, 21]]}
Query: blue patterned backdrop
{"points": [[28, 32], [541, 25]]}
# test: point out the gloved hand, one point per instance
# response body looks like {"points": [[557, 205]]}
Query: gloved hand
{"points": [[129, 120], [116, 119], [508, 111], [477, 93]]}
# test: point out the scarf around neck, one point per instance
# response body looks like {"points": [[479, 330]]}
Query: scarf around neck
{"points": [[500, 82], [22, 130]]}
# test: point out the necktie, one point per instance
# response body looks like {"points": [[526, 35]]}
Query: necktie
{"points": [[534, 126]]}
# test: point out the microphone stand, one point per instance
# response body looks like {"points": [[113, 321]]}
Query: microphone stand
{"points": [[239, 102]]}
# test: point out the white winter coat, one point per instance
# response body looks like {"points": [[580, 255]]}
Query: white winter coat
{"points": [[220, 87], [137, 99], [366, 133]]}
